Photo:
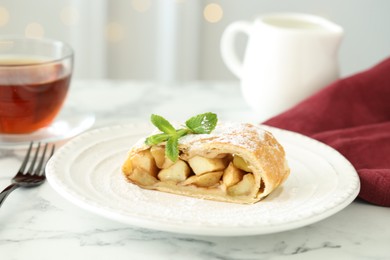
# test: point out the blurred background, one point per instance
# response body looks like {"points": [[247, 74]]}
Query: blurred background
{"points": [[178, 40]]}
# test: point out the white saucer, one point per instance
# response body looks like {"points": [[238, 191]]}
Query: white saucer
{"points": [[68, 124]]}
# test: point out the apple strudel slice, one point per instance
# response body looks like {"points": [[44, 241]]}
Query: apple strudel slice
{"points": [[239, 163]]}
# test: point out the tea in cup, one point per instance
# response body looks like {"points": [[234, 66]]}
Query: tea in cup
{"points": [[35, 76]]}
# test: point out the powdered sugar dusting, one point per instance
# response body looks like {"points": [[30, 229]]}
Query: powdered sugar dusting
{"points": [[239, 134]]}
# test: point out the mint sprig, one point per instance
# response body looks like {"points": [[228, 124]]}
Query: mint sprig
{"points": [[199, 124], [203, 123], [162, 124]]}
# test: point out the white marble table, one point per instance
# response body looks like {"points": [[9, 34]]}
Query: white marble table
{"points": [[40, 224]]}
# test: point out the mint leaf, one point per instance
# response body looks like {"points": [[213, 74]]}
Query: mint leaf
{"points": [[172, 148], [203, 123], [156, 139], [200, 124], [162, 124]]}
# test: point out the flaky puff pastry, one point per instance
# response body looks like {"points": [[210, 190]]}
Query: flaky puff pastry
{"points": [[262, 169]]}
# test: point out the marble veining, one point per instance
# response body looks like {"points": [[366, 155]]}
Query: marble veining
{"points": [[39, 224]]}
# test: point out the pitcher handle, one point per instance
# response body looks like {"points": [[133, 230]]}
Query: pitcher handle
{"points": [[228, 52]]}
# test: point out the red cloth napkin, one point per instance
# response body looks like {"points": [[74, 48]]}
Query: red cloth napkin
{"points": [[353, 116]]}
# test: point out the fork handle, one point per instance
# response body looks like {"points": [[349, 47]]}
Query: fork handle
{"points": [[7, 191]]}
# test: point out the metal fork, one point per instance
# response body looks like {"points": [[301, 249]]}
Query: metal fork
{"points": [[34, 176]]}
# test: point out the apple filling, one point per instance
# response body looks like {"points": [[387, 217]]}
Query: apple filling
{"points": [[228, 173]]}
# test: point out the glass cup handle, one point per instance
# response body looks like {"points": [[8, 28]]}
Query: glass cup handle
{"points": [[228, 51]]}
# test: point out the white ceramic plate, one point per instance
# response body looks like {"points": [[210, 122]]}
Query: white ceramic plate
{"points": [[86, 171]]}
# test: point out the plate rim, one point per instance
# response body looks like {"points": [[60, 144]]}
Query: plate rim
{"points": [[99, 208]]}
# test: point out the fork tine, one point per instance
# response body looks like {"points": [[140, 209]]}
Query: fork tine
{"points": [[39, 167], [42, 166], [31, 168], [51, 154], [52, 150], [27, 156]]}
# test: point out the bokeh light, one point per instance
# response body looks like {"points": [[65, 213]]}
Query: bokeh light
{"points": [[114, 32], [4, 16], [34, 30], [70, 16], [141, 5], [213, 13]]}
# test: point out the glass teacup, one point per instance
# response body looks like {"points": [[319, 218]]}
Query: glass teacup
{"points": [[35, 76]]}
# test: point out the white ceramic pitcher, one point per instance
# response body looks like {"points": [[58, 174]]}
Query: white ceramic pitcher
{"points": [[288, 57]]}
